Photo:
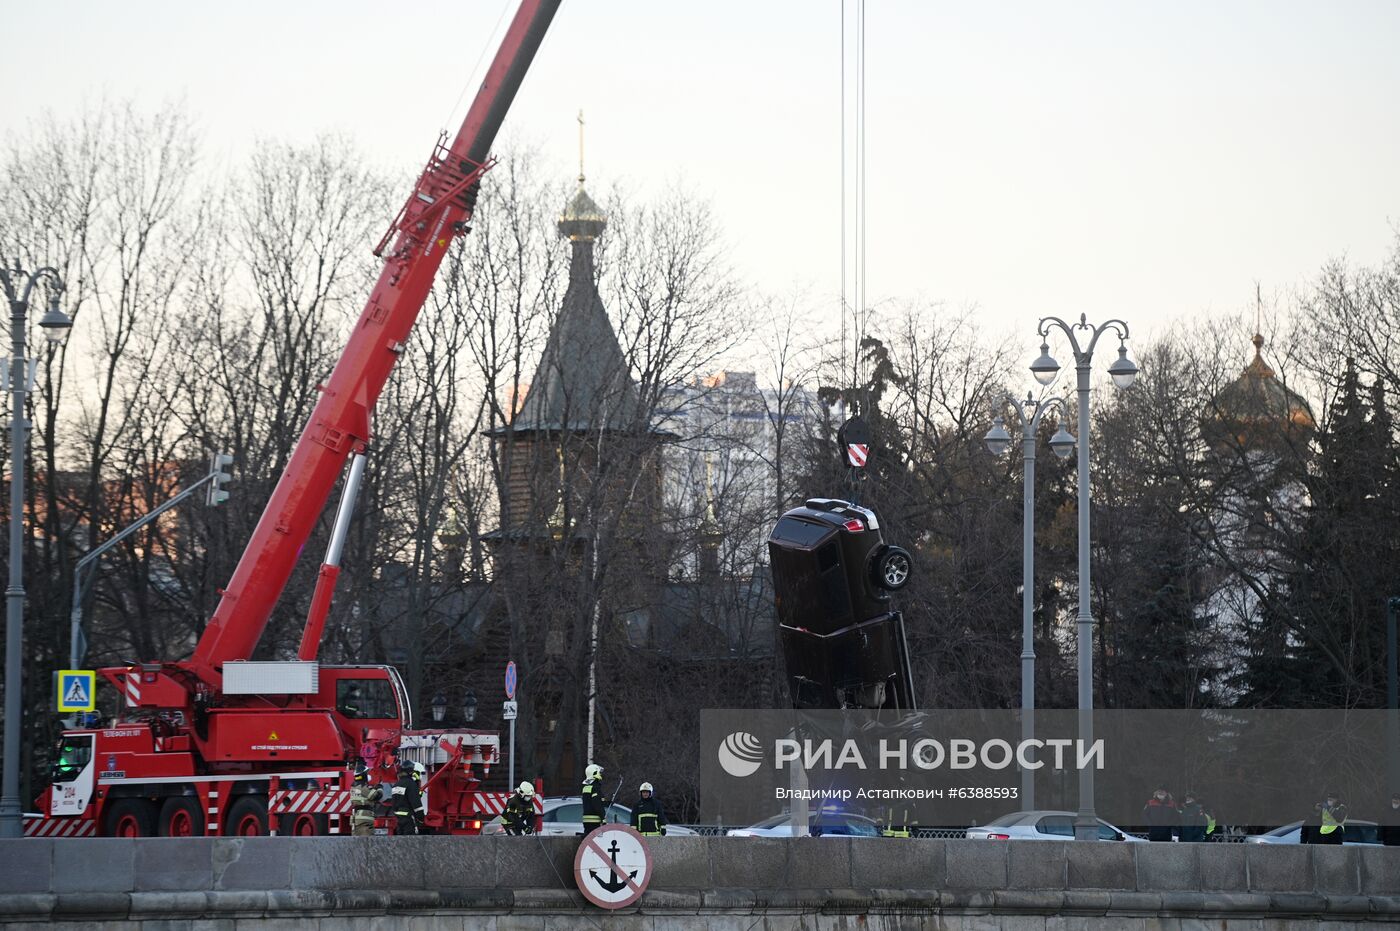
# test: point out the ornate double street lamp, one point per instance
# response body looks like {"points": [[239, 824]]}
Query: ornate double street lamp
{"points": [[18, 285], [1030, 413], [1122, 371]]}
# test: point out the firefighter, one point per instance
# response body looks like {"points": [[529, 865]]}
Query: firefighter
{"points": [[594, 808], [405, 800], [519, 816], [420, 814], [364, 797], [647, 817], [1333, 818]]}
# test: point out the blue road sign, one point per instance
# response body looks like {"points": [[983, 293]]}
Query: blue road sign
{"points": [[77, 690], [510, 680]]}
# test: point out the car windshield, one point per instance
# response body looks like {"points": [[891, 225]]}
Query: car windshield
{"points": [[73, 754], [1004, 820]]}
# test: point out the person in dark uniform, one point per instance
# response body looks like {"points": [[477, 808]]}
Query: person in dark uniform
{"points": [[594, 808], [1160, 815], [647, 817], [519, 816], [405, 800], [1390, 822], [1193, 819]]}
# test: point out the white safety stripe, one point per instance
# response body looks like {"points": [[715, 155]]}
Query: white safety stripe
{"points": [[133, 687]]}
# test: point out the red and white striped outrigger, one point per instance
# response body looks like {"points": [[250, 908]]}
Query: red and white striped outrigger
{"points": [[288, 810], [491, 804], [39, 826]]}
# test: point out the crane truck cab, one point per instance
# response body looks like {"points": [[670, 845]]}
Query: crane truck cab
{"points": [[833, 574]]}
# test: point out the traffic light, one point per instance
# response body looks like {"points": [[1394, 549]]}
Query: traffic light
{"points": [[217, 494]]}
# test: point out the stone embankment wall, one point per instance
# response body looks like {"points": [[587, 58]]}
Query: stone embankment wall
{"points": [[746, 884]]}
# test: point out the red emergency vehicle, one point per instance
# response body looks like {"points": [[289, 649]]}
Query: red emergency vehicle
{"points": [[219, 744]]}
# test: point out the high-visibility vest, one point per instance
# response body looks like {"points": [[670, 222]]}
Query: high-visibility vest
{"points": [[1210, 824], [1329, 822], [590, 794]]}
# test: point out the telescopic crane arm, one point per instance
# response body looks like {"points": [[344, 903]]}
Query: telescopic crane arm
{"points": [[435, 213]]}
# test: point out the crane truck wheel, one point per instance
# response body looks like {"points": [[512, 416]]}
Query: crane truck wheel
{"points": [[180, 817], [892, 567], [304, 825], [130, 817], [247, 817]]}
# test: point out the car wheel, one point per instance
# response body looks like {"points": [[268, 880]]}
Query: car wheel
{"points": [[892, 568]]}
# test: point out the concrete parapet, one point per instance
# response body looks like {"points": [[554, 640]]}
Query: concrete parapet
{"points": [[510, 883]]}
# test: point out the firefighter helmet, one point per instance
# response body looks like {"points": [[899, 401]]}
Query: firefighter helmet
{"points": [[526, 789], [419, 771], [646, 787], [594, 771]]}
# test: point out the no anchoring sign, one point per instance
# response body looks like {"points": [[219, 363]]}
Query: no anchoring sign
{"points": [[613, 866]]}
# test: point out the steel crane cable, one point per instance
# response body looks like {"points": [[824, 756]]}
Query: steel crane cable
{"points": [[860, 194], [841, 11], [853, 217], [474, 79]]}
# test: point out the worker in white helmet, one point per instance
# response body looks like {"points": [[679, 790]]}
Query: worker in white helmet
{"points": [[420, 776], [519, 816], [594, 808], [647, 817]]}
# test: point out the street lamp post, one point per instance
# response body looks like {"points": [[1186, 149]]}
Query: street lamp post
{"points": [[1030, 413], [1123, 371], [18, 285]]}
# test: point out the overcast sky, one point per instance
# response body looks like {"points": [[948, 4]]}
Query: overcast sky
{"points": [[1143, 160]]}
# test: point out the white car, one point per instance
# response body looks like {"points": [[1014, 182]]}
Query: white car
{"points": [[1043, 825], [1354, 833], [820, 823], [563, 815]]}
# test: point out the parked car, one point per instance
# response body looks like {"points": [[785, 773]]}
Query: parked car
{"points": [[564, 815], [1354, 832], [821, 823], [1043, 825]]}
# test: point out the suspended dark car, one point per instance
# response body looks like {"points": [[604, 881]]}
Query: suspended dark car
{"points": [[833, 575]]}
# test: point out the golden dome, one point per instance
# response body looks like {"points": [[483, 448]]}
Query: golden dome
{"points": [[582, 219], [1256, 410]]}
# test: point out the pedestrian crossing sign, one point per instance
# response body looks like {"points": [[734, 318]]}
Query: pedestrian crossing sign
{"points": [[77, 690]]}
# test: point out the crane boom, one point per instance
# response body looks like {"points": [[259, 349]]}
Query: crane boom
{"points": [[435, 213]]}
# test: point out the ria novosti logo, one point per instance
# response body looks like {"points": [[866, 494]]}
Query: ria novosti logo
{"points": [[740, 754]]}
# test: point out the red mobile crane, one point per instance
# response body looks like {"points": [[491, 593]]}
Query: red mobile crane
{"points": [[217, 744]]}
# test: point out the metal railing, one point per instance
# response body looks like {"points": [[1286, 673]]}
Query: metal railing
{"points": [[715, 830]]}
